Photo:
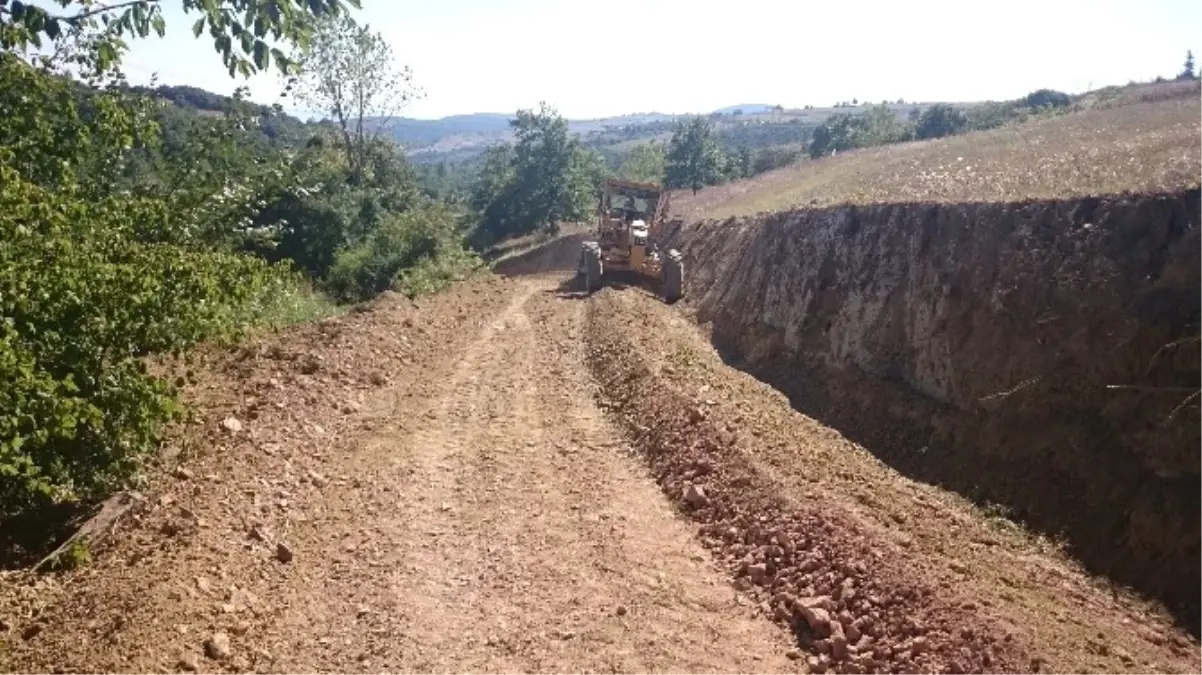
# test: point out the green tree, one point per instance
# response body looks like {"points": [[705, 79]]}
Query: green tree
{"points": [[545, 164], [349, 73], [1187, 70], [645, 163], [544, 178], [693, 159], [240, 29], [940, 120]]}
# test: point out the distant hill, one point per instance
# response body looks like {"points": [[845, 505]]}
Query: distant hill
{"points": [[745, 109]]}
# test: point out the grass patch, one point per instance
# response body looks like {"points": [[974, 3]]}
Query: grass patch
{"points": [[1141, 140]]}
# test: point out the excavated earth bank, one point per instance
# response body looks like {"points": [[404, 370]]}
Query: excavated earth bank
{"points": [[851, 599], [1041, 358], [556, 255]]}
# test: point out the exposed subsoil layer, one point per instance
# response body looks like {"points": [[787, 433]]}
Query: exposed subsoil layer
{"points": [[811, 566], [493, 479], [1040, 356]]}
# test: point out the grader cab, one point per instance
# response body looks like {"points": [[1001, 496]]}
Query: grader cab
{"points": [[630, 220]]}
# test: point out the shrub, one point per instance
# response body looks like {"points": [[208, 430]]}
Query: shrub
{"points": [[940, 120], [426, 238], [1048, 98], [82, 301]]}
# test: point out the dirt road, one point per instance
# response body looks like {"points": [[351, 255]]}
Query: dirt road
{"points": [[464, 485]]}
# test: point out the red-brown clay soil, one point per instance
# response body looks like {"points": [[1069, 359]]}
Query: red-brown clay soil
{"points": [[507, 477]]}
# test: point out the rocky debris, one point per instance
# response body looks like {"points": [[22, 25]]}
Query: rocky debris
{"points": [[694, 495], [231, 424], [217, 646], [183, 473], [853, 603], [189, 663], [283, 552]]}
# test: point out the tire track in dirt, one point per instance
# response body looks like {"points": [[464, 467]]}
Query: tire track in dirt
{"points": [[516, 536]]}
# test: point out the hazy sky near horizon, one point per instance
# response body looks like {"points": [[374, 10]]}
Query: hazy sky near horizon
{"points": [[596, 59]]}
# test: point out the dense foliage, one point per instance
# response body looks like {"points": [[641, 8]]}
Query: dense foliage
{"points": [[694, 159], [879, 126], [131, 227], [544, 178]]}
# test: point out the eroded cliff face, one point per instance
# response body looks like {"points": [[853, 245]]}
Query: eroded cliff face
{"points": [[1041, 356]]}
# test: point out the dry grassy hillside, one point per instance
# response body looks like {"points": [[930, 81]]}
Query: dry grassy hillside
{"points": [[1140, 140]]}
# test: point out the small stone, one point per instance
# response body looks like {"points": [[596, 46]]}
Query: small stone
{"points": [[812, 663], [257, 533], [316, 478], [818, 619], [696, 415], [958, 566], [283, 553], [695, 496], [241, 628], [31, 631], [918, 645], [232, 424], [793, 654], [757, 572], [189, 662], [621, 610], [183, 473], [217, 647]]}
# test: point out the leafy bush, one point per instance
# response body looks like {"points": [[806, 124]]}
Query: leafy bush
{"points": [[82, 301], [1048, 98], [876, 126], [424, 238], [115, 247], [940, 120]]}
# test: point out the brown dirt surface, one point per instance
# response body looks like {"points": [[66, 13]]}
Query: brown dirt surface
{"points": [[1146, 141], [469, 483], [824, 516], [414, 487]]}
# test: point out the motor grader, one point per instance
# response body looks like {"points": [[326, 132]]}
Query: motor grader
{"points": [[630, 219]]}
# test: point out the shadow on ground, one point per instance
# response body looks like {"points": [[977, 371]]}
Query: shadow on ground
{"points": [[908, 432], [27, 538]]}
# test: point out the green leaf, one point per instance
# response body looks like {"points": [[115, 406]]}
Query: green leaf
{"points": [[262, 55], [198, 27]]}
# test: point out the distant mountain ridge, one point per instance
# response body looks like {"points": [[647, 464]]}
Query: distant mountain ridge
{"points": [[468, 133]]}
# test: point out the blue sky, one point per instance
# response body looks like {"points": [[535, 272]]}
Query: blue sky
{"points": [[593, 59]]}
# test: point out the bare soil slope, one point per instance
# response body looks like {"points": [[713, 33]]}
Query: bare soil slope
{"points": [[1042, 356], [408, 489], [470, 484]]}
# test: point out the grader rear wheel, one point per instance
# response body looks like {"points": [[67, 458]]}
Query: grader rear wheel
{"points": [[590, 266], [673, 287]]}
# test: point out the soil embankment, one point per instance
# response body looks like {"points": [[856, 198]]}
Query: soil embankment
{"points": [[1041, 358], [557, 255]]}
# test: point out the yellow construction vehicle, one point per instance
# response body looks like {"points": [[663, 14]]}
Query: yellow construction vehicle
{"points": [[630, 219]]}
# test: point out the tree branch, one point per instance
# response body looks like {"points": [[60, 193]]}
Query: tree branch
{"points": [[87, 13]]}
